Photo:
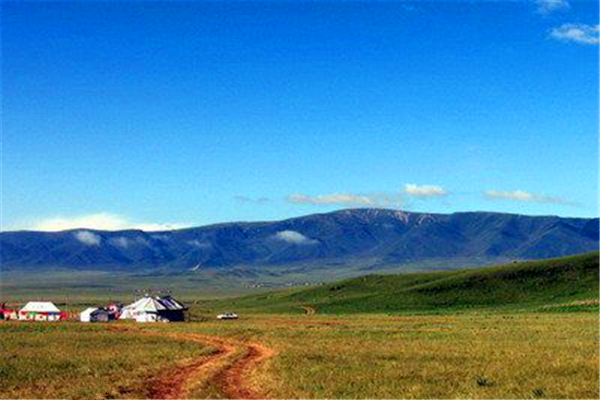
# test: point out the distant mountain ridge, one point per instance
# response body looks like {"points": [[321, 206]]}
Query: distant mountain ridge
{"points": [[374, 238]]}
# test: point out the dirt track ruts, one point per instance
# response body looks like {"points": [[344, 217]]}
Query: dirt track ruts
{"points": [[228, 368], [309, 310], [232, 379]]}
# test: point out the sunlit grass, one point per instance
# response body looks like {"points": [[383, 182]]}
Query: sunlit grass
{"points": [[83, 361], [471, 355], [512, 286], [528, 330], [468, 356]]}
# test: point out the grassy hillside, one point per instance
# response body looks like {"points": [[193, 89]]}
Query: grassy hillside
{"points": [[539, 284], [83, 287]]}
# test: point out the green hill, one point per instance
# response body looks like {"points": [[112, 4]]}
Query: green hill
{"points": [[548, 284]]}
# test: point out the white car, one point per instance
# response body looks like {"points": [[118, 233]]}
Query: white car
{"points": [[227, 315]]}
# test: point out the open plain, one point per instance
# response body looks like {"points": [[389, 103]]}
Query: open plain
{"points": [[468, 355]]}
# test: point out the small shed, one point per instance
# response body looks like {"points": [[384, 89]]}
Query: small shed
{"points": [[93, 314], [155, 309], [40, 311]]}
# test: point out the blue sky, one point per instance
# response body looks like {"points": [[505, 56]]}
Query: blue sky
{"points": [[156, 115]]}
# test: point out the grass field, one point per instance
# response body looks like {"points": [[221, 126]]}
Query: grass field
{"points": [[66, 285], [527, 285], [471, 355], [527, 330], [467, 356], [83, 361]]}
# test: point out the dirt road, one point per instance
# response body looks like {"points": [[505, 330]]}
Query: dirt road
{"points": [[233, 379], [226, 370], [309, 310]]}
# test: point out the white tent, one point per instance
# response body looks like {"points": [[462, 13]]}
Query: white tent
{"points": [[144, 310], [149, 309], [39, 311], [86, 315], [94, 315]]}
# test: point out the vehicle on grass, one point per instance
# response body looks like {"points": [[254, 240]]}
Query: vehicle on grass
{"points": [[227, 315]]}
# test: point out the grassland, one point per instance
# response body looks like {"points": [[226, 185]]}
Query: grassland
{"points": [[528, 285], [83, 361], [467, 356], [471, 355], [67, 285], [527, 330]]}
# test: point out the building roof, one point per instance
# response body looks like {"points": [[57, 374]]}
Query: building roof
{"points": [[171, 304], [155, 304], [40, 306]]}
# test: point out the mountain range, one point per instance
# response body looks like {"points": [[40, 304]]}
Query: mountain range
{"points": [[370, 238]]}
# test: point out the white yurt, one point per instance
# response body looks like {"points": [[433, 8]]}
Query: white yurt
{"points": [[154, 309], [144, 310]]}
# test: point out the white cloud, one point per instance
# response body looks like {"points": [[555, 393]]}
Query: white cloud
{"points": [[155, 227], [294, 237], [348, 199], [120, 242], [519, 195], [335, 198], [246, 199], [425, 190], [547, 6], [578, 33], [88, 238], [99, 221]]}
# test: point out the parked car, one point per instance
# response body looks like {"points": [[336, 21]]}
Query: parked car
{"points": [[227, 315]]}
